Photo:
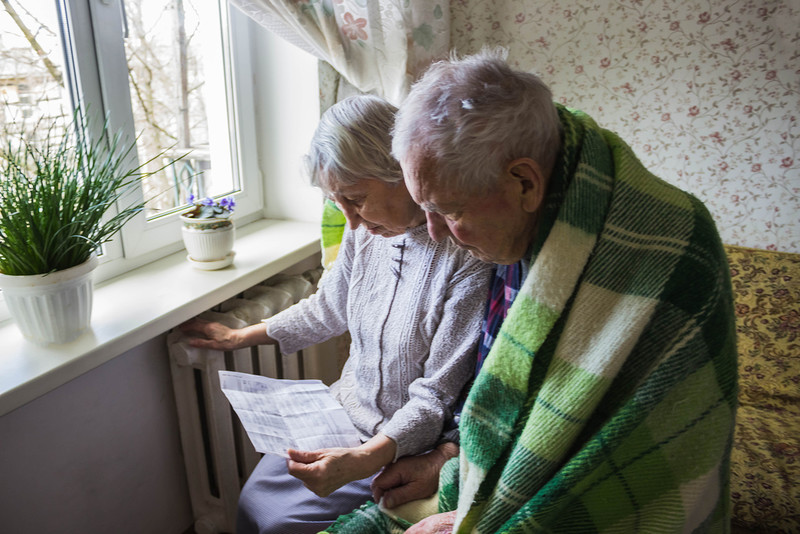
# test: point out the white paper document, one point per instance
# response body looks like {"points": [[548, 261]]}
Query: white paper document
{"points": [[281, 414]]}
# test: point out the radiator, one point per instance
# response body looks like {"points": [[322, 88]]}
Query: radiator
{"points": [[218, 455]]}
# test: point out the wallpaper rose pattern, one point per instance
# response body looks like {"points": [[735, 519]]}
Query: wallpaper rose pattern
{"points": [[707, 92]]}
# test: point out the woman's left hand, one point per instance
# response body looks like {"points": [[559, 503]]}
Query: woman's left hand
{"points": [[325, 470]]}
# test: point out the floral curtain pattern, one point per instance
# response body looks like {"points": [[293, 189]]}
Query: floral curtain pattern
{"points": [[379, 47], [707, 92]]}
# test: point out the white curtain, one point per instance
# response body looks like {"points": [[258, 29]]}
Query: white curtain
{"points": [[380, 47]]}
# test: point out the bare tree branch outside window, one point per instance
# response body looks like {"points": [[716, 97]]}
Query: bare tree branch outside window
{"points": [[166, 81], [31, 74]]}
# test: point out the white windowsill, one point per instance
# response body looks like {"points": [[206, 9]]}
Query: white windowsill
{"points": [[146, 302]]}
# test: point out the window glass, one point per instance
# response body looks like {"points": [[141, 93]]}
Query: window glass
{"points": [[178, 97], [32, 94]]}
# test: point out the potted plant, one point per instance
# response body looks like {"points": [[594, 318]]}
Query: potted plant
{"points": [[56, 196], [208, 232]]}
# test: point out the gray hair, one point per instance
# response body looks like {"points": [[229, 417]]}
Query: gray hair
{"points": [[353, 142], [473, 116]]}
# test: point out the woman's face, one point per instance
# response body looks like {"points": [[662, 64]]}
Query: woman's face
{"points": [[384, 209]]}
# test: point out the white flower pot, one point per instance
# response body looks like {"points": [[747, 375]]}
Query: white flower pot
{"points": [[51, 308], [209, 242]]}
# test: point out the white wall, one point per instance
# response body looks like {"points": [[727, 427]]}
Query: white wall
{"points": [[287, 111], [99, 454]]}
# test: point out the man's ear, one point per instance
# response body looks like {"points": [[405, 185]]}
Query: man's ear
{"points": [[531, 181]]}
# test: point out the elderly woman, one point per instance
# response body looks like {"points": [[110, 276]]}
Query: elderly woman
{"points": [[413, 308]]}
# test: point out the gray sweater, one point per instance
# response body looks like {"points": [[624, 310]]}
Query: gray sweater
{"points": [[414, 309]]}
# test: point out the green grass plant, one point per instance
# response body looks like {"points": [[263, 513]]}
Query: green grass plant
{"points": [[62, 197]]}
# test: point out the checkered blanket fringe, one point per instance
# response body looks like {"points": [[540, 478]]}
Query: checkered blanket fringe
{"points": [[607, 402]]}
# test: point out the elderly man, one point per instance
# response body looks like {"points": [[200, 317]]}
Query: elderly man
{"points": [[607, 398]]}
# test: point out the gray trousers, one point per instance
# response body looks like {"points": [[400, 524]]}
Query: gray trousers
{"points": [[274, 502]]}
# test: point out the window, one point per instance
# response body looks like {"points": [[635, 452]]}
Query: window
{"points": [[163, 74], [31, 68], [173, 64]]}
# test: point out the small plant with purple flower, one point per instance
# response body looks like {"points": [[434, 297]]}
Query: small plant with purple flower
{"points": [[209, 208]]}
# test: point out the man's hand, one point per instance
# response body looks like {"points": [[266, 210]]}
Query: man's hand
{"points": [[412, 477], [435, 524], [325, 470]]}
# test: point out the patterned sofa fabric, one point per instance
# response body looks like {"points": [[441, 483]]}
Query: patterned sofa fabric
{"points": [[765, 462]]}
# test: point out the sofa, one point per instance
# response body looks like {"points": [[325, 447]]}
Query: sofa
{"points": [[765, 461]]}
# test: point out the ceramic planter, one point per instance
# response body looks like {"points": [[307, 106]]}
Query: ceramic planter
{"points": [[51, 308], [208, 242]]}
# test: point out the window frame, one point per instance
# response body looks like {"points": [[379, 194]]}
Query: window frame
{"points": [[97, 77], [85, 85]]}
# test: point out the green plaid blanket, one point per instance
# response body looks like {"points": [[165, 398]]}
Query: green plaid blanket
{"points": [[607, 401]]}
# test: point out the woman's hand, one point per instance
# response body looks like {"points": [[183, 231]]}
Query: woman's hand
{"points": [[213, 335], [435, 524], [325, 470], [412, 477]]}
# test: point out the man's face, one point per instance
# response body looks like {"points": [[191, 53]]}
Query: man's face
{"points": [[495, 227]]}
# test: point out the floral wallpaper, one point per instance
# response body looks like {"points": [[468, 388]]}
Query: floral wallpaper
{"points": [[707, 92]]}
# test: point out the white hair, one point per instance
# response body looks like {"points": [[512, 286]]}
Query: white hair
{"points": [[353, 142], [473, 115]]}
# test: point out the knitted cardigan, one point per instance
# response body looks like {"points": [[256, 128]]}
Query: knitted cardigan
{"points": [[607, 402]]}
